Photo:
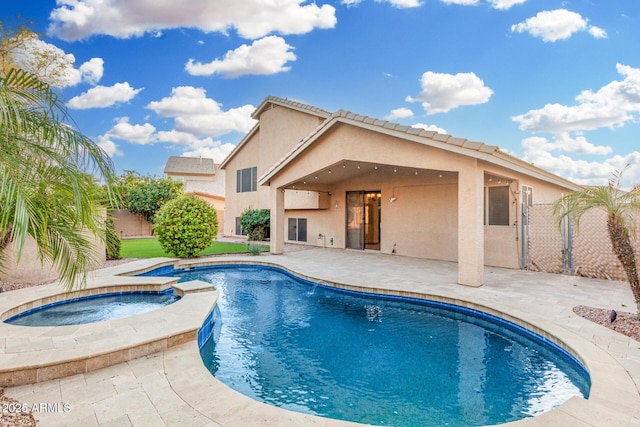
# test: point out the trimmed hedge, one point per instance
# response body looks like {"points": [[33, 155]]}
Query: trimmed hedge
{"points": [[185, 226]]}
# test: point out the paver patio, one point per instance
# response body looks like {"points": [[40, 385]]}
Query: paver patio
{"points": [[171, 387]]}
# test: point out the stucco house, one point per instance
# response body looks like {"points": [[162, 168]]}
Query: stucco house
{"points": [[201, 177], [344, 180]]}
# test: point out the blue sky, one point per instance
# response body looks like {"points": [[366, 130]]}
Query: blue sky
{"points": [[556, 83]]}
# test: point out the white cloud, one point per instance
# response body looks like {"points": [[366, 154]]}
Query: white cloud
{"points": [[505, 4], [401, 4], [108, 146], [539, 151], [103, 96], [216, 152], [78, 19], [462, 2], [433, 128], [597, 32], [565, 142], [265, 56], [400, 113], [444, 92], [404, 4], [146, 134], [554, 25], [198, 120], [92, 71], [136, 134], [194, 113], [197, 147], [611, 106]]}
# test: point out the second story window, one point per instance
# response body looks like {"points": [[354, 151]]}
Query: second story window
{"points": [[247, 180]]}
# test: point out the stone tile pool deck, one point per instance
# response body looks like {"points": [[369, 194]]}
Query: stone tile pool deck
{"points": [[146, 370]]}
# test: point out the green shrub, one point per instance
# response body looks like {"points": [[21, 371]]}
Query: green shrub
{"points": [[147, 195], [185, 226], [255, 222], [112, 241], [254, 249]]}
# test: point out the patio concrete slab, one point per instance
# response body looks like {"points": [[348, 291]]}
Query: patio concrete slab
{"points": [[171, 387]]}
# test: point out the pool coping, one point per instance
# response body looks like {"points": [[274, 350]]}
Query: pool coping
{"points": [[32, 354], [613, 397]]}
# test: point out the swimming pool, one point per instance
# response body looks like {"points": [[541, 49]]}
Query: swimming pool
{"points": [[94, 308], [385, 361]]}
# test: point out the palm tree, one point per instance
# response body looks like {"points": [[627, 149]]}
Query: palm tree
{"points": [[621, 207], [47, 169]]}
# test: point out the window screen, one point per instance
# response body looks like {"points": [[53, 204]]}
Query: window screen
{"points": [[247, 180], [498, 209]]}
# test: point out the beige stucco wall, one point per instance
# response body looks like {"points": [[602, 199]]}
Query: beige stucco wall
{"points": [[301, 199], [30, 269], [424, 221], [236, 203], [280, 129], [414, 223]]}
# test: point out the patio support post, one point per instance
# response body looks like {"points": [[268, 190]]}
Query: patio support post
{"points": [[277, 220], [471, 226]]}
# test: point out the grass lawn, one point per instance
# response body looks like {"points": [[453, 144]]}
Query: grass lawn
{"points": [[150, 248]]}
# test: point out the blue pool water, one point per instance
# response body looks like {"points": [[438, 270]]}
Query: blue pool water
{"points": [[94, 308], [356, 357]]}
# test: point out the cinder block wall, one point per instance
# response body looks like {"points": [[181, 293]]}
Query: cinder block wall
{"points": [[128, 224]]}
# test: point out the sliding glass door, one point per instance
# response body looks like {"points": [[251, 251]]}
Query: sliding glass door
{"points": [[363, 220]]}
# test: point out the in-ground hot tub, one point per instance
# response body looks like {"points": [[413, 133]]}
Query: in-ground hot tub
{"points": [[94, 308]]}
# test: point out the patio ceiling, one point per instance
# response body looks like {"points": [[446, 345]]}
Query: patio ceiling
{"points": [[347, 170]]}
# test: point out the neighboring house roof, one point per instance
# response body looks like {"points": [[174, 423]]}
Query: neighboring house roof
{"points": [[271, 102], [182, 166]]}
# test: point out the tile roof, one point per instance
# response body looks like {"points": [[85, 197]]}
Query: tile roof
{"points": [[382, 126], [271, 101], [177, 165], [486, 152]]}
